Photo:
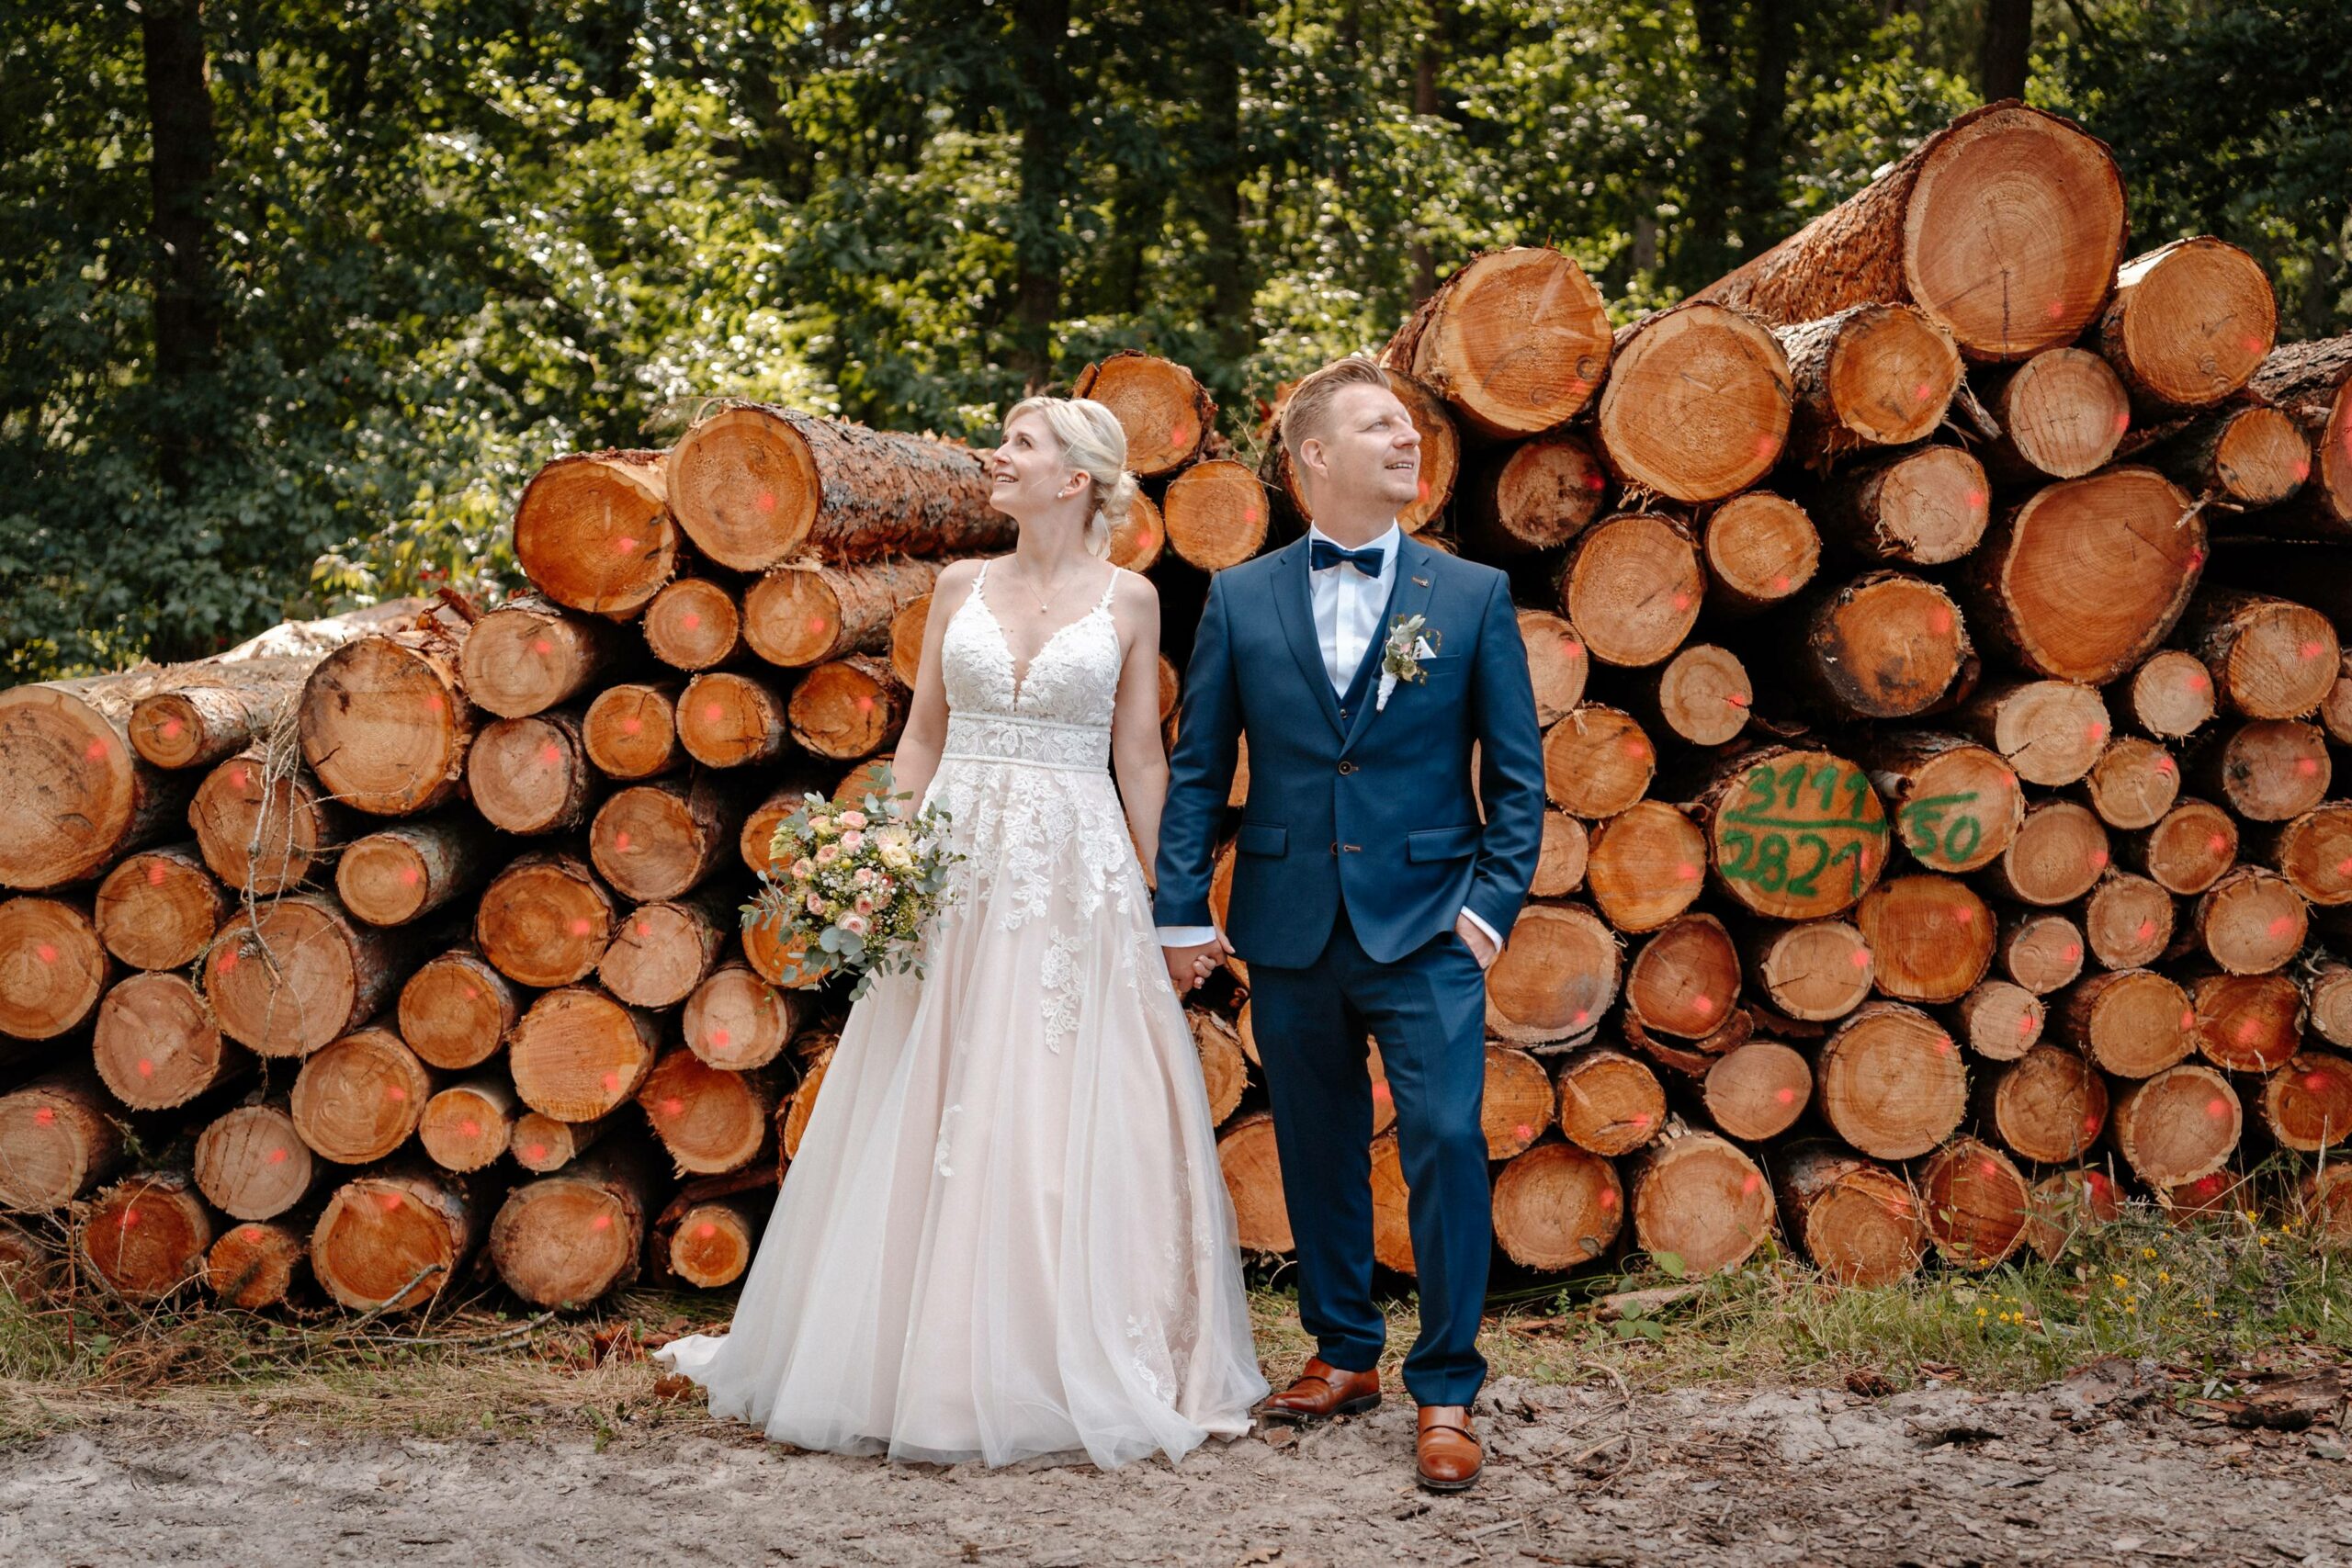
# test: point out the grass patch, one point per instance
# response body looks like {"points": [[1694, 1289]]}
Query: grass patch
{"points": [[2205, 1297]]}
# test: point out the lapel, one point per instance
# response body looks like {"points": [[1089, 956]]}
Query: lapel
{"points": [[1408, 594], [1295, 604]]}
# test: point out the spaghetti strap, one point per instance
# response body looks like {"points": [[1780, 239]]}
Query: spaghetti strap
{"points": [[1113, 587]]}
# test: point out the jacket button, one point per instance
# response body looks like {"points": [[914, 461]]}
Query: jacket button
{"points": [[1335, 846], [1347, 767]]}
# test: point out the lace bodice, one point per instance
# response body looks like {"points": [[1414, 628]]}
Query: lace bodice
{"points": [[1054, 713]]}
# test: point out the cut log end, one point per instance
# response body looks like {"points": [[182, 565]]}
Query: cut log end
{"points": [[1515, 341], [1759, 549]]}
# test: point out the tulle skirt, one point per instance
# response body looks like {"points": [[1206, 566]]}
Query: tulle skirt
{"points": [[1006, 1235]]}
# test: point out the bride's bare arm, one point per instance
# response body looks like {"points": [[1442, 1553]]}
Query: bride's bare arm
{"points": [[917, 758], [1138, 754]]}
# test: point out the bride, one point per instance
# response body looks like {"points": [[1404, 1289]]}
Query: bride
{"points": [[1006, 1235]]}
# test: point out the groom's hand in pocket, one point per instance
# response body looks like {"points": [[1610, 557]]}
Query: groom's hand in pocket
{"points": [[1481, 946], [1190, 967]]}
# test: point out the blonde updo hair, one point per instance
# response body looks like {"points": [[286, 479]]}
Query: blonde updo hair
{"points": [[1093, 443]]}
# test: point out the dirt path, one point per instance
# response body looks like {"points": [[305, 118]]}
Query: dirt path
{"points": [[2095, 1471]]}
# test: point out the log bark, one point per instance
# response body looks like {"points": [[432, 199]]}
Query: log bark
{"points": [[57, 1141], [2131, 1023], [2307, 1103], [1890, 1081], [662, 951], [1957, 805], [385, 722], [393, 1239], [577, 1053], [1609, 1103], [2050, 731], [728, 720], [1759, 548], [2062, 414], [802, 615], [850, 708], [631, 731], [660, 840], [1870, 376], [1793, 834], [468, 1126], [2133, 785], [2188, 326], [1916, 235], [359, 1097], [1999, 1019], [2084, 578], [693, 624], [1886, 644], [1167, 414], [755, 487], [158, 907], [2178, 1126], [593, 531], [803, 1104], [1515, 342], [2328, 996], [1686, 979], [1631, 588], [1858, 1221], [456, 1010], [2040, 950], [2188, 849], [1930, 937], [2247, 1024], [2168, 696], [144, 1237], [1556, 1206], [530, 654], [2265, 770], [2127, 921], [1645, 866], [1757, 1091], [263, 825], [53, 968], [1597, 763], [156, 1044], [736, 1020], [299, 973], [545, 920], [1535, 495], [1927, 506], [252, 1164], [1975, 1202], [1697, 403], [2252, 921], [1813, 971], [1703, 1199], [711, 1119], [2048, 1107], [402, 872], [1558, 975]]}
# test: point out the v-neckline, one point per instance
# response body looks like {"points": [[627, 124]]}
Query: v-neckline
{"points": [[1021, 673]]}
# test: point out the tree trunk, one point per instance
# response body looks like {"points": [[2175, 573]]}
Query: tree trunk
{"points": [[1253, 1178], [1645, 866], [1556, 1206], [850, 708], [457, 1009], [180, 178], [593, 531], [2066, 1204], [1557, 664], [2307, 1103], [404, 871], [1166, 413], [1975, 1204], [1916, 235], [1560, 863], [543, 1145], [1870, 376], [534, 774], [530, 654], [2061, 415], [2313, 852], [545, 920], [564, 1240], [1928, 506], [2188, 324], [803, 614], [257, 1264], [2312, 382], [2127, 921], [1702, 696], [2247, 455], [1697, 404], [1515, 342], [755, 487], [693, 624], [1890, 1081], [711, 1243], [1224, 1073], [158, 907], [2247, 1024], [1857, 1221], [1931, 937], [2266, 770]]}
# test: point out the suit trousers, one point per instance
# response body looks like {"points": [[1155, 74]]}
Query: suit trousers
{"points": [[1428, 1013]]}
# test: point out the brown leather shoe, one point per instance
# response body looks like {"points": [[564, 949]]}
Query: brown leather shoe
{"points": [[1448, 1455], [1322, 1390]]}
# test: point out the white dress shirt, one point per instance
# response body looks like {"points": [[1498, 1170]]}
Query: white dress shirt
{"points": [[1348, 606]]}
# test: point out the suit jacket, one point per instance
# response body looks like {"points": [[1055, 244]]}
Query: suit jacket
{"points": [[1376, 812]]}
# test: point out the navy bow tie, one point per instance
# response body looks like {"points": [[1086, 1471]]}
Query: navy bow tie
{"points": [[1324, 555]]}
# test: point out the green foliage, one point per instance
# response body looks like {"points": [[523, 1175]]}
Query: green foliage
{"points": [[454, 238]]}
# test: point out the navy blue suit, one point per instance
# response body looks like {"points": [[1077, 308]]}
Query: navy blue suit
{"points": [[1359, 844]]}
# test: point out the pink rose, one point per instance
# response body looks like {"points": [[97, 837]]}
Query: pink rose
{"points": [[851, 842], [804, 868], [816, 904], [828, 853], [864, 905], [864, 877], [853, 818], [853, 924]]}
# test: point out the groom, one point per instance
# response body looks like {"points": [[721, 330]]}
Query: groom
{"points": [[1363, 667]]}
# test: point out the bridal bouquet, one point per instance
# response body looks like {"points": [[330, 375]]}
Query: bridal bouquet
{"points": [[851, 887]]}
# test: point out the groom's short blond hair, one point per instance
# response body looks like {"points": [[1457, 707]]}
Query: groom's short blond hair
{"points": [[1307, 415]]}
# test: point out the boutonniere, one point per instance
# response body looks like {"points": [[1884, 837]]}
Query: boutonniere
{"points": [[1400, 659]]}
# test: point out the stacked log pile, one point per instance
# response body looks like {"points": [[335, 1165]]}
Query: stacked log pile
{"points": [[1940, 845]]}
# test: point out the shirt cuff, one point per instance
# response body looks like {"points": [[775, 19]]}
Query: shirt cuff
{"points": [[1492, 935], [1186, 936]]}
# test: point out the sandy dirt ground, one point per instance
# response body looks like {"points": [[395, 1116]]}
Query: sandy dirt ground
{"points": [[2097, 1470]]}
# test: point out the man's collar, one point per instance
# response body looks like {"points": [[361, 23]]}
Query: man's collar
{"points": [[1386, 544]]}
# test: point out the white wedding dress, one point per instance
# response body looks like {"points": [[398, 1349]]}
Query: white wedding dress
{"points": [[1006, 1235]]}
